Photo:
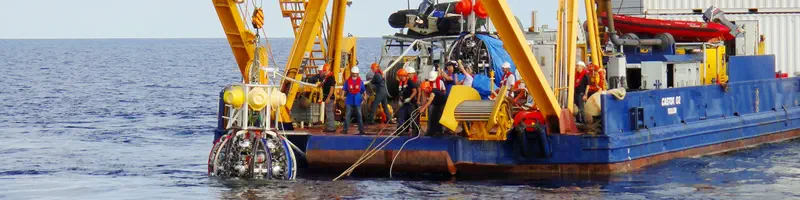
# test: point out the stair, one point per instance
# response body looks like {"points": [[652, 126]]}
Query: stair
{"points": [[295, 11]]}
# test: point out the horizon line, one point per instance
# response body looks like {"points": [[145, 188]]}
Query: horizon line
{"points": [[136, 38]]}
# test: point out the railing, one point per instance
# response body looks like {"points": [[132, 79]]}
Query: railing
{"points": [[239, 118]]}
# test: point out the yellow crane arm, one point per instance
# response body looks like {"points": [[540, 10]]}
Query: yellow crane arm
{"points": [[312, 21], [336, 31], [523, 57], [239, 37]]}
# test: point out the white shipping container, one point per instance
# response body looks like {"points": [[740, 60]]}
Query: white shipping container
{"points": [[730, 6], [781, 31]]}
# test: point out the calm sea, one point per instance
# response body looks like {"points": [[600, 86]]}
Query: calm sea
{"points": [[134, 119]]}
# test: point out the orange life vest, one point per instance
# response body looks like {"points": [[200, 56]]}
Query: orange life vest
{"points": [[597, 80], [354, 86]]}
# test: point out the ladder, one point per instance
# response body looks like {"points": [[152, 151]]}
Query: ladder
{"points": [[317, 56]]}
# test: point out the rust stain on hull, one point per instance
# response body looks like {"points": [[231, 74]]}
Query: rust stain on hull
{"points": [[407, 161], [440, 161]]}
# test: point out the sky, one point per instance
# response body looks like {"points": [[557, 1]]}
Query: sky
{"points": [[48, 19]]}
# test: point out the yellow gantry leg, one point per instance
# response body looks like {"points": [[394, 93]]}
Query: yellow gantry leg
{"points": [[240, 39], [593, 39], [337, 31], [315, 10], [521, 53], [572, 45]]}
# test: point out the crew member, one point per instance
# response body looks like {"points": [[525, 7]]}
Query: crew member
{"points": [[597, 78], [508, 77], [449, 76], [381, 93], [508, 81], [520, 93], [355, 91], [328, 87], [436, 100], [581, 88], [467, 71], [408, 101]]}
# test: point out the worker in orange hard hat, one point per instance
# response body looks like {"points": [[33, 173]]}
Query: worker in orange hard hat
{"points": [[328, 87], [408, 94], [436, 90], [381, 93], [597, 78]]}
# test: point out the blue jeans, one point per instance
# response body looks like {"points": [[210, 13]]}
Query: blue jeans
{"points": [[349, 113], [404, 114]]}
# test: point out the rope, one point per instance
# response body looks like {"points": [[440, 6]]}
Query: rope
{"points": [[386, 141], [391, 166]]}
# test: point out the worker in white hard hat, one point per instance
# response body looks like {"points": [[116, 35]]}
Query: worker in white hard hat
{"points": [[581, 88], [355, 90], [508, 76]]}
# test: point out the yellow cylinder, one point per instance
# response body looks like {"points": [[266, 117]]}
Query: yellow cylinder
{"points": [[234, 96], [257, 99], [277, 98]]}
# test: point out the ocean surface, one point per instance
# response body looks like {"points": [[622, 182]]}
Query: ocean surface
{"points": [[134, 119]]}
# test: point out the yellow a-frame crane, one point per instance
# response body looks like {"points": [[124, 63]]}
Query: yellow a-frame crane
{"points": [[307, 18], [500, 119]]}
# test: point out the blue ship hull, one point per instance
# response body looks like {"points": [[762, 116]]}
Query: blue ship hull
{"points": [[645, 127]]}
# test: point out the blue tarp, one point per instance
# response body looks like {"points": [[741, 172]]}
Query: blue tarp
{"points": [[481, 84], [499, 55]]}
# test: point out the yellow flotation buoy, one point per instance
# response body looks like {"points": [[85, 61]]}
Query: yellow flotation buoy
{"points": [[234, 96], [257, 99], [277, 98]]}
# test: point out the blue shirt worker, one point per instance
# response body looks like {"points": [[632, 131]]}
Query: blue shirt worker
{"points": [[355, 93]]}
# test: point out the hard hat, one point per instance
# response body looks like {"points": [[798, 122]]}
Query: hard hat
{"points": [[433, 75], [426, 86], [375, 66], [354, 70], [506, 65], [325, 67], [581, 63], [411, 70], [402, 72]]}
